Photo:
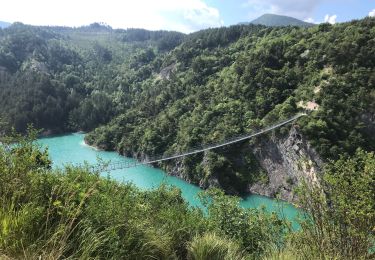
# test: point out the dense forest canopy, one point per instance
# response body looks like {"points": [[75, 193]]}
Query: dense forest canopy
{"points": [[53, 76]]}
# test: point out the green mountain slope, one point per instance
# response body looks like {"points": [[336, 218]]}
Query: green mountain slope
{"points": [[280, 20], [48, 71]]}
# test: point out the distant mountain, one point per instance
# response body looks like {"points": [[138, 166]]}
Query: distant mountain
{"points": [[4, 24], [280, 20]]}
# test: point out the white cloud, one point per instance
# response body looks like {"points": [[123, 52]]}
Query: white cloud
{"points": [[186, 16], [309, 20], [295, 8], [194, 15], [372, 13], [330, 18]]}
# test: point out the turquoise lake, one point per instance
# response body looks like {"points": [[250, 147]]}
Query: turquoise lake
{"points": [[71, 149]]}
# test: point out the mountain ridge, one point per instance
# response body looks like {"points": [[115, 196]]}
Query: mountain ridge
{"points": [[279, 20]]}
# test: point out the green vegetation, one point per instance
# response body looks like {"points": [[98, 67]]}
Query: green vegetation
{"points": [[341, 211], [62, 79], [72, 213], [211, 246]]}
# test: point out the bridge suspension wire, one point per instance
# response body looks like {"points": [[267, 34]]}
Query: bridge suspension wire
{"points": [[117, 165]]}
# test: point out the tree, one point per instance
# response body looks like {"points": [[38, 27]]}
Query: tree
{"points": [[340, 218]]}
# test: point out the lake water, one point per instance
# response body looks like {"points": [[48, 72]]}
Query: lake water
{"points": [[71, 149]]}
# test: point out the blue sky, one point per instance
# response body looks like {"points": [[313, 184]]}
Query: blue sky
{"points": [[316, 10], [180, 15]]}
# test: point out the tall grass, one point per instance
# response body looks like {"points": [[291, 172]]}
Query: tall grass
{"points": [[213, 247]]}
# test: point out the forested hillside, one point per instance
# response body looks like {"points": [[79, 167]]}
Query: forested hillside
{"points": [[63, 79], [145, 93]]}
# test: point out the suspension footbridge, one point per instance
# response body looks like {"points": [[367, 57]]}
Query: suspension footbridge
{"points": [[117, 165]]}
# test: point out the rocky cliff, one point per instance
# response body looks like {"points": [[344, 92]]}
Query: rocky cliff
{"points": [[286, 161]]}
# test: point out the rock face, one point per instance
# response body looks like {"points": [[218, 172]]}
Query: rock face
{"points": [[166, 72], [177, 169], [288, 162]]}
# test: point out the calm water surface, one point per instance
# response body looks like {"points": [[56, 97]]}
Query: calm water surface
{"points": [[71, 149]]}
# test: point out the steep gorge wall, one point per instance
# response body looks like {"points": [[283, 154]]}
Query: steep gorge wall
{"points": [[287, 161]]}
